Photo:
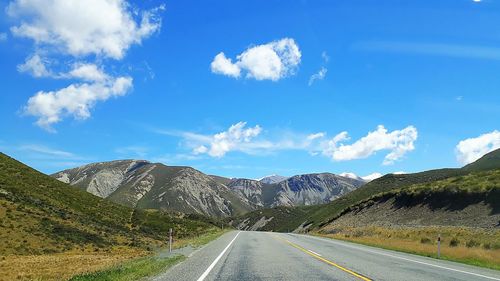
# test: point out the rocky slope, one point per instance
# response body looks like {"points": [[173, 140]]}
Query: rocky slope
{"points": [[272, 179], [445, 197], [308, 189], [145, 185], [313, 189]]}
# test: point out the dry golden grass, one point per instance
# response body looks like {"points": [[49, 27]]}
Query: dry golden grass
{"points": [[468, 245], [62, 266]]}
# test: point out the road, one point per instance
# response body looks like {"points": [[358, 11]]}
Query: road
{"points": [[249, 255]]}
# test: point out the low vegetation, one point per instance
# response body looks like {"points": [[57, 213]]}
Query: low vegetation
{"points": [[480, 247], [47, 227], [132, 270]]}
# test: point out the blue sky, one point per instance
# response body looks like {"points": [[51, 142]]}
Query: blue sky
{"points": [[427, 71]]}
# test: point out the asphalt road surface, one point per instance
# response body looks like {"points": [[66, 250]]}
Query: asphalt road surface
{"points": [[249, 255]]}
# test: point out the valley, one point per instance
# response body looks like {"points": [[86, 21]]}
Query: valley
{"points": [[119, 212]]}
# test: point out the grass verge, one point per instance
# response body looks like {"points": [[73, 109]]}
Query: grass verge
{"points": [[466, 245], [148, 266], [132, 270]]}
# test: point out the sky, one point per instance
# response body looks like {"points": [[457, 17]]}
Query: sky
{"points": [[251, 88]]}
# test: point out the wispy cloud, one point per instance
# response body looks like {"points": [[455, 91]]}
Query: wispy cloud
{"points": [[318, 76], [255, 141], [133, 151], [321, 74], [435, 49]]}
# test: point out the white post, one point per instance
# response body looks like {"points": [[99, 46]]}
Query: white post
{"points": [[439, 245], [170, 241]]}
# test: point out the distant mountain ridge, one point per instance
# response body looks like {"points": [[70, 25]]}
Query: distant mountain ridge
{"points": [[440, 188], [271, 179], [145, 185]]}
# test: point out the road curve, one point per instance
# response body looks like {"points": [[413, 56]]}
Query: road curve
{"points": [[249, 255]]}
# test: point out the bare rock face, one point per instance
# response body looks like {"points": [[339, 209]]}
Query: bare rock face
{"points": [[145, 185], [308, 189], [141, 184], [312, 189], [249, 189]]}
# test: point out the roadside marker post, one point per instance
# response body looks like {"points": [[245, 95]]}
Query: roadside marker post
{"points": [[170, 241], [439, 245]]}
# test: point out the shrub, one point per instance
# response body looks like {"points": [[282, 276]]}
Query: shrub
{"points": [[425, 240], [454, 242], [472, 243]]}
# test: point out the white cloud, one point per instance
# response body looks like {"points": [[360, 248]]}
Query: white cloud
{"points": [[100, 27], [3, 36], [35, 66], [318, 76], [315, 136], [271, 61], [251, 141], [41, 149], [88, 72], [372, 176], [232, 139], [72, 30], [76, 100], [469, 150], [223, 65], [397, 142]]}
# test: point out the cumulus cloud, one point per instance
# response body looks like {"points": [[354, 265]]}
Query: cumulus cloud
{"points": [[234, 138], [35, 66], [320, 75], [271, 61], [88, 72], [251, 141], [71, 33], [75, 100], [471, 149], [397, 142], [100, 27], [223, 65]]}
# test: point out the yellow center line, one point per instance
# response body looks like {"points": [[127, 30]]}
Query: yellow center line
{"points": [[323, 259]]}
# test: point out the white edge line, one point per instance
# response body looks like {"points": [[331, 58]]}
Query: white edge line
{"points": [[314, 253], [406, 259], [204, 275]]}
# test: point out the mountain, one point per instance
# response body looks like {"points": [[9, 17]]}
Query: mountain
{"points": [[308, 189], [489, 161], [272, 179], [312, 189], [41, 215], [144, 185], [317, 216], [351, 176]]}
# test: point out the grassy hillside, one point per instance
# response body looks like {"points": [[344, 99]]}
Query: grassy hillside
{"points": [[320, 215], [489, 161], [42, 216]]}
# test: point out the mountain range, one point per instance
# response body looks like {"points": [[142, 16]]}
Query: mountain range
{"points": [[468, 196], [145, 185]]}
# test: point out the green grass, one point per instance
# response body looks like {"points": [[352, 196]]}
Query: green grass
{"points": [[132, 270], [41, 215], [465, 183]]}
